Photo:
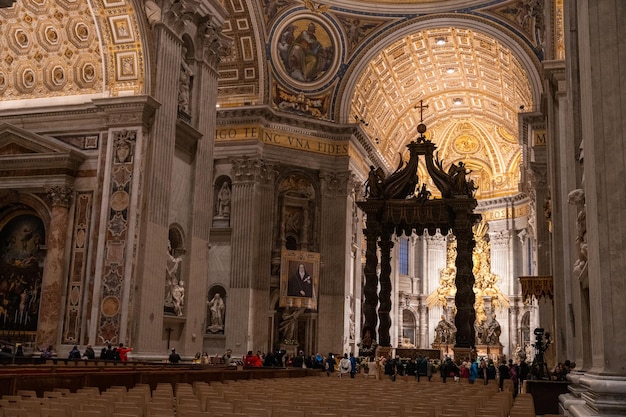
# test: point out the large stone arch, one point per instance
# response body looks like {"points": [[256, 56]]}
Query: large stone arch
{"points": [[517, 46]]}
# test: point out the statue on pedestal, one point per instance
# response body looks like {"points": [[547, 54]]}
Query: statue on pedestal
{"points": [[287, 326], [445, 332]]}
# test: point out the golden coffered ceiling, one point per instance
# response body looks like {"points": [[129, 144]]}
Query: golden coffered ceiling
{"points": [[473, 86], [61, 48]]}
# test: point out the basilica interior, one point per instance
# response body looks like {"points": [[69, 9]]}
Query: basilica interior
{"points": [[208, 175]]}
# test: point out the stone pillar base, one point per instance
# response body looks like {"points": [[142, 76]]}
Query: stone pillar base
{"points": [[460, 353], [599, 395], [383, 351]]}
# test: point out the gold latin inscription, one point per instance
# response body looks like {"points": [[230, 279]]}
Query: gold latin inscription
{"points": [[277, 138]]}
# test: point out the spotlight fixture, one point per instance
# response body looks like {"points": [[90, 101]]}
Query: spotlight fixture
{"points": [[450, 70], [359, 120], [440, 41], [457, 101]]}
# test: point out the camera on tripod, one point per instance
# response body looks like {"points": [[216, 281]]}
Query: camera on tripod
{"points": [[540, 335]]}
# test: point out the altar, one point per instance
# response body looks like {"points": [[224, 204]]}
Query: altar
{"points": [[445, 349], [493, 352]]}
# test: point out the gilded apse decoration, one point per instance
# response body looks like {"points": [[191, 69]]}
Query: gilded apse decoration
{"points": [[300, 103], [306, 51], [466, 144], [447, 275], [486, 282], [474, 85], [356, 29]]}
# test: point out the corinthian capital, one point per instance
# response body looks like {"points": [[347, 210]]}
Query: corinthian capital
{"points": [[60, 195], [335, 184], [214, 44]]}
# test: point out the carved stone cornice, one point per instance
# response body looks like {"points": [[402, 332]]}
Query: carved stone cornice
{"points": [[554, 71], [248, 169], [266, 116], [501, 202], [128, 111], [535, 120], [336, 184], [60, 195]]}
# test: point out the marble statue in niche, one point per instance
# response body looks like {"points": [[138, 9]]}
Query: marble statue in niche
{"points": [[216, 314], [223, 201], [184, 85], [175, 295]]}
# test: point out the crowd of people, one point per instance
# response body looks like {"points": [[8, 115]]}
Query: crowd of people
{"points": [[481, 369]]}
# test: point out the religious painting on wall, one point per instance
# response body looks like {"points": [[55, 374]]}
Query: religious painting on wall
{"points": [[299, 279], [306, 51], [21, 271]]}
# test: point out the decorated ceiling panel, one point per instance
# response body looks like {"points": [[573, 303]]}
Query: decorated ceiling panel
{"points": [[49, 49], [473, 86], [53, 48]]}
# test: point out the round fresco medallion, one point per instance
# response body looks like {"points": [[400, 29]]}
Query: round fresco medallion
{"points": [[119, 200], [466, 144], [110, 306], [306, 51]]}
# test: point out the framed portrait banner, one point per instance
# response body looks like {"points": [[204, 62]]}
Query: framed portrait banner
{"points": [[299, 279]]}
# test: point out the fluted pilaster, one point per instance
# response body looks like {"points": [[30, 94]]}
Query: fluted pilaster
{"points": [[161, 149], [335, 240], [250, 214]]}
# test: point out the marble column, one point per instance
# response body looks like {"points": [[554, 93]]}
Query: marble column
{"points": [[53, 280], [423, 334], [465, 297], [384, 295], [500, 243], [370, 290], [602, 35]]}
